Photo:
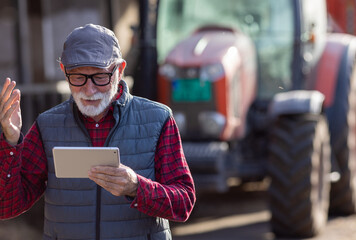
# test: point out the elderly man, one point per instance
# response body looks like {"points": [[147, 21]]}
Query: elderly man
{"points": [[152, 184]]}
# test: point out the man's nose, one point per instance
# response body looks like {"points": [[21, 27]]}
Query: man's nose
{"points": [[89, 87]]}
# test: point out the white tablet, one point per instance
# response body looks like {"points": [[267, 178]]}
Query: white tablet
{"points": [[75, 162]]}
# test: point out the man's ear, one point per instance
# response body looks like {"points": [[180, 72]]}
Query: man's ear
{"points": [[62, 67], [122, 66]]}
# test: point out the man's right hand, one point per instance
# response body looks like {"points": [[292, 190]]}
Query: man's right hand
{"points": [[10, 112]]}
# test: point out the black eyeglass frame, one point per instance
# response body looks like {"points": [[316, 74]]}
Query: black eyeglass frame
{"points": [[91, 76]]}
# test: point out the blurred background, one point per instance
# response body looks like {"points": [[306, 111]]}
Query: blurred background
{"points": [[32, 35]]}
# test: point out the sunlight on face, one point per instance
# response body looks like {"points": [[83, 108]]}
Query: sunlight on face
{"points": [[106, 98]]}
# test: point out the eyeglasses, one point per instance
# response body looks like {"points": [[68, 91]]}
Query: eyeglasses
{"points": [[99, 79]]}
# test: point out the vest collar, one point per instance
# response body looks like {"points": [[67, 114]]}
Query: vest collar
{"points": [[126, 97]]}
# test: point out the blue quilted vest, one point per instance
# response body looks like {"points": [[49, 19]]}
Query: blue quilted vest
{"points": [[78, 208]]}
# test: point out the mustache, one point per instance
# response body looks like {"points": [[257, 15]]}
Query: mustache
{"points": [[96, 96]]}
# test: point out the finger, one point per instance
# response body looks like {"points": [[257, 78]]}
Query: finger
{"points": [[11, 110], [103, 182], [14, 99], [9, 87], [4, 87], [105, 177], [7, 93], [15, 96], [113, 171], [113, 188]]}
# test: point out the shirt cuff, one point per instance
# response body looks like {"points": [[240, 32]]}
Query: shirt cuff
{"points": [[5, 144], [140, 193], [9, 155]]}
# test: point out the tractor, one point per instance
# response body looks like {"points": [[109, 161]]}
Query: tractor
{"points": [[259, 89]]}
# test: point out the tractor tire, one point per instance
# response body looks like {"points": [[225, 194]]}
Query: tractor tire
{"points": [[343, 192], [299, 167]]}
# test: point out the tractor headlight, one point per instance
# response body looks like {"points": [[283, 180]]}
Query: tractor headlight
{"points": [[212, 123], [168, 70], [212, 72]]}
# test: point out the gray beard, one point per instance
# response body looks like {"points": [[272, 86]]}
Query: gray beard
{"points": [[92, 111]]}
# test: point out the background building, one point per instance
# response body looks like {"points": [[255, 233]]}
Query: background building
{"points": [[32, 36]]}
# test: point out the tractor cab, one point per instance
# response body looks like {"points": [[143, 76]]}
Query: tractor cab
{"points": [[220, 57]]}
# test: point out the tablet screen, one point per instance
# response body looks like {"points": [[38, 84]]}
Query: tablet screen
{"points": [[75, 162]]}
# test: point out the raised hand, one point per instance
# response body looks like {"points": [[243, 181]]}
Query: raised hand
{"points": [[10, 111]]}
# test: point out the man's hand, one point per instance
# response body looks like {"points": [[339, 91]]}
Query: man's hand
{"points": [[10, 112], [119, 181]]}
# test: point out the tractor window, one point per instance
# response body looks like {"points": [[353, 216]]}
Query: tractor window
{"points": [[269, 23]]}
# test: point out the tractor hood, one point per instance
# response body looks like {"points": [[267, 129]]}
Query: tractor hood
{"points": [[203, 47]]}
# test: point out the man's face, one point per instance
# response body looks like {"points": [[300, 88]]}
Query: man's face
{"points": [[93, 100]]}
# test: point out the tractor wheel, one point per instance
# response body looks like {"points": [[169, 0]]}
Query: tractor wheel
{"points": [[343, 192], [299, 166]]}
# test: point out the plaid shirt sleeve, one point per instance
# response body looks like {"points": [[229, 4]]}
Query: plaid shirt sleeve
{"points": [[172, 195], [23, 174]]}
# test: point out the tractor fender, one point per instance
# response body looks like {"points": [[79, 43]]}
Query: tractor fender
{"points": [[327, 70], [336, 111], [296, 102]]}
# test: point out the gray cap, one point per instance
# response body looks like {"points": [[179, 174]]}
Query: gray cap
{"points": [[90, 46]]}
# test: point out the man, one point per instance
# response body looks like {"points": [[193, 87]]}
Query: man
{"points": [[133, 201]]}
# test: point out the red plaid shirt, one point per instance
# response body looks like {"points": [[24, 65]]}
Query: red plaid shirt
{"points": [[23, 173]]}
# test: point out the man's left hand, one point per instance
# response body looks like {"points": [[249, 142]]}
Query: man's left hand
{"points": [[119, 181]]}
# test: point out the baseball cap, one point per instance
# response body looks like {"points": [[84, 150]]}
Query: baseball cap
{"points": [[90, 46]]}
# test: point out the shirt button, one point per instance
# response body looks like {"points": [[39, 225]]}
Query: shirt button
{"points": [[8, 175], [11, 153], [135, 205], [97, 125]]}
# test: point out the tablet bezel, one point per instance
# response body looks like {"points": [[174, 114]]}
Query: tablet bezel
{"points": [[75, 162]]}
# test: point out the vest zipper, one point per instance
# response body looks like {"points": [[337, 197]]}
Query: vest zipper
{"points": [[117, 122], [98, 188], [98, 212]]}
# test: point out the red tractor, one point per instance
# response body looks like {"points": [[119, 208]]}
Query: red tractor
{"points": [[260, 89], [343, 14]]}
